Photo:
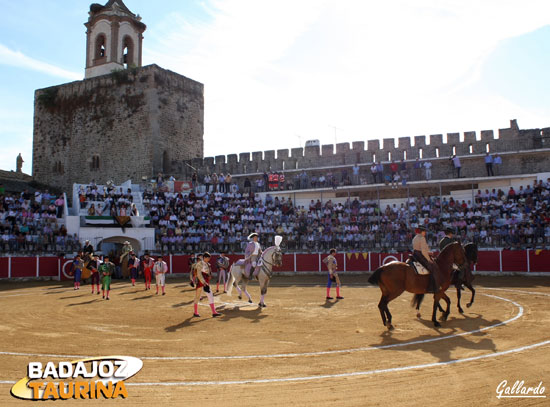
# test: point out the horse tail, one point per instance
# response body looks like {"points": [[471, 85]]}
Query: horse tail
{"points": [[231, 281], [375, 278], [417, 300]]}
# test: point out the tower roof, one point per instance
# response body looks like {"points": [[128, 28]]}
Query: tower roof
{"points": [[111, 5]]}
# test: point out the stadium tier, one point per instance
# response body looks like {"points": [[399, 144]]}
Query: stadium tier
{"points": [[494, 212]]}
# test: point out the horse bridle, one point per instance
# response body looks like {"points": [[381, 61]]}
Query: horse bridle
{"points": [[268, 272]]}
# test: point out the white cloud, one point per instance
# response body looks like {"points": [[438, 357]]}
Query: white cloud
{"points": [[274, 71], [20, 60]]}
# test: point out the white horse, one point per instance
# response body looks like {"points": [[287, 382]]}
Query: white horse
{"points": [[272, 256]]}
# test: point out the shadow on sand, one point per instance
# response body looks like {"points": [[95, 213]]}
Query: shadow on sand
{"points": [[442, 349]]}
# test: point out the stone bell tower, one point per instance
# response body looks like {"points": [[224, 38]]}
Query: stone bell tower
{"points": [[123, 121], [114, 38]]}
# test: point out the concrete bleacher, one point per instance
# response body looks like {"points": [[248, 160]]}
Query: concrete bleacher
{"points": [[104, 228]]}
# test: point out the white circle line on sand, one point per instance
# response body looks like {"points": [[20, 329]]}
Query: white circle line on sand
{"points": [[342, 375], [333, 376], [517, 291], [304, 354]]}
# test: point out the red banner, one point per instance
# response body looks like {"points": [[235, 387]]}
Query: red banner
{"points": [[182, 186]]}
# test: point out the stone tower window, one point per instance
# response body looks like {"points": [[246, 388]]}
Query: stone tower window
{"points": [[454, 150], [373, 157], [420, 155], [405, 155], [128, 52], [100, 46], [488, 148], [471, 149], [437, 152], [58, 168], [165, 162], [389, 155], [94, 165]]}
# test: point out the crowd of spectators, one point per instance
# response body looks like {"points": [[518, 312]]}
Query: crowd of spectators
{"points": [[29, 223], [221, 221], [392, 173], [106, 200]]}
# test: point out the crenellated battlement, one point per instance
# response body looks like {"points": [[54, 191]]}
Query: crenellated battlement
{"points": [[403, 148]]}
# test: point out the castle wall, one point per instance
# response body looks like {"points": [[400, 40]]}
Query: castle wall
{"points": [[137, 122], [340, 158]]}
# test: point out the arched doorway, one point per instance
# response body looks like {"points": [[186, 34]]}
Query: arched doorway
{"points": [[115, 244]]}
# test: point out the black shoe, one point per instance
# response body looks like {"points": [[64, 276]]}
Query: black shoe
{"points": [[163, 293], [339, 298], [330, 298]]}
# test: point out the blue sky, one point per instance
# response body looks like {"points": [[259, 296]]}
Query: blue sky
{"points": [[279, 73]]}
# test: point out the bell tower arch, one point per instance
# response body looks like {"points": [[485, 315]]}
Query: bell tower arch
{"points": [[114, 38]]}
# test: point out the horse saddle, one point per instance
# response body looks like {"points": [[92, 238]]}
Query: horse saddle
{"points": [[417, 267]]}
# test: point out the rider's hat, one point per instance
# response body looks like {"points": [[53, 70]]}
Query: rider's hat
{"points": [[250, 236], [421, 229], [449, 230]]}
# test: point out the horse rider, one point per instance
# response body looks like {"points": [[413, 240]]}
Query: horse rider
{"points": [[251, 254], [88, 249], [421, 252], [447, 239]]}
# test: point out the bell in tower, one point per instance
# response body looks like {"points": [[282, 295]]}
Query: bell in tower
{"points": [[114, 38]]}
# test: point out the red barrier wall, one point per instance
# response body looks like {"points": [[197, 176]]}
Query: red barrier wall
{"points": [[288, 264], [512, 261], [23, 266], [180, 264], [539, 262], [48, 266], [4, 265], [488, 261], [355, 262], [307, 262]]}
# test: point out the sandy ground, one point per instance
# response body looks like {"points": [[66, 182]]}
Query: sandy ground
{"points": [[300, 350]]}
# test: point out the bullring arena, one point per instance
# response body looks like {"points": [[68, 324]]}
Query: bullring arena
{"points": [[300, 349]]}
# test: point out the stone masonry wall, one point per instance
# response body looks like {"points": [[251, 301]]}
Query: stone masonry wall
{"points": [[135, 122]]}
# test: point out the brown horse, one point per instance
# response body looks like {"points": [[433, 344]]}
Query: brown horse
{"points": [[396, 277], [467, 278]]}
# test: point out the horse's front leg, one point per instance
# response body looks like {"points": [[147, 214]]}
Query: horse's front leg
{"points": [[437, 297], [472, 289], [263, 293], [240, 297], [448, 310], [458, 295], [246, 292]]}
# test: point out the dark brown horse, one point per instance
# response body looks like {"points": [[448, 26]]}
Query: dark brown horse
{"points": [[396, 277], [458, 280], [471, 255]]}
